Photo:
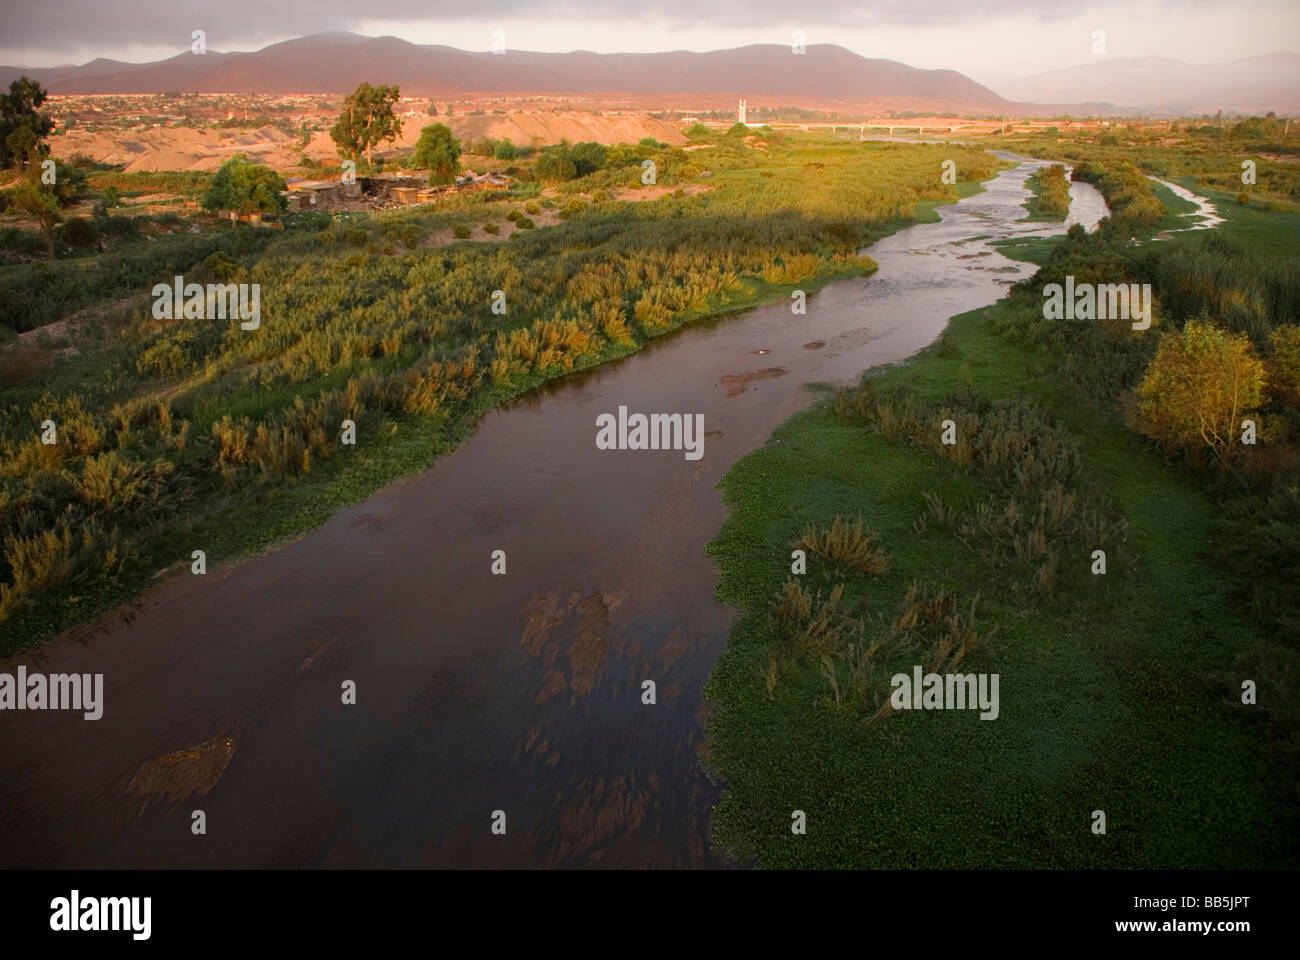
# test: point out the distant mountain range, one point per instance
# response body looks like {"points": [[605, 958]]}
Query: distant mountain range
{"points": [[334, 63], [825, 77], [1160, 85]]}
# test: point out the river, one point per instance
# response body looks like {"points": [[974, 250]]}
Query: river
{"points": [[477, 692]]}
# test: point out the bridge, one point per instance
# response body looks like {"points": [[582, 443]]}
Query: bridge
{"points": [[889, 124]]}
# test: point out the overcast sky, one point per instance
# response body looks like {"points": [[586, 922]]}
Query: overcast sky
{"points": [[989, 40]]}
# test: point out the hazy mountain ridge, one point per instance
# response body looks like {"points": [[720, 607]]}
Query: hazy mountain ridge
{"points": [[826, 76], [1167, 85], [335, 63]]}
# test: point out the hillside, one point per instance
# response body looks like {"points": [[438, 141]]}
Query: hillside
{"points": [[336, 62], [184, 148], [1166, 85]]}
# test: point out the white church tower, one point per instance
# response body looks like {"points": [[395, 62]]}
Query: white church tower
{"points": [[741, 112]]}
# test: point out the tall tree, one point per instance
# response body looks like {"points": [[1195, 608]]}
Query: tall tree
{"points": [[43, 201], [40, 203], [245, 188], [366, 120], [438, 152], [23, 128]]}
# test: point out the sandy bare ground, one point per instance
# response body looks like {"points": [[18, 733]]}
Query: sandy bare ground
{"points": [[186, 148]]}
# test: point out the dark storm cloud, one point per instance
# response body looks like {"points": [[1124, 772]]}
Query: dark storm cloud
{"points": [[71, 24]]}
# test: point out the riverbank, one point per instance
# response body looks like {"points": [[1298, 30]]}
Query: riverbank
{"points": [[272, 516], [1119, 691], [478, 691], [400, 344]]}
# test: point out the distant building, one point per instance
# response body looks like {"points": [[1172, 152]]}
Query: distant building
{"points": [[309, 194], [482, 181]]}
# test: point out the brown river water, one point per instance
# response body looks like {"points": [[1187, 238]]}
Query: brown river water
{"points": [[476, 692]]}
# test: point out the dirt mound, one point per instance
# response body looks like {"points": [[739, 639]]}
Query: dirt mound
{"points": [[186, 148], [575, 126], [179, 148]]}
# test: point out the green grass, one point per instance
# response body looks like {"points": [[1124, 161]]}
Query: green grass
{"points": [[1117, 692], [1030, 249], [1034, 205], [1110, 709], [1176, 208], [1272, 231], [926, 211]]}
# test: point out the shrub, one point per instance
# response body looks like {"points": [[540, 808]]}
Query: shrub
{"points": [[1199, 386], [1053, 198], [438, 152], [554, 167], [1284, 365], [243, 186], [845, 544], [308, 220], [80, 232], [108, 199]]}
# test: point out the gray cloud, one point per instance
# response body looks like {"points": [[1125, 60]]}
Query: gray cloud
{"points": [[73, 24]]}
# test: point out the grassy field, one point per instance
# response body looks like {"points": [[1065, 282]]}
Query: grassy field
{"points": [[1118, 692]]}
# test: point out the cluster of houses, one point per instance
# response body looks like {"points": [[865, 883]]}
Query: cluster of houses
{"points": [[383, 191]]}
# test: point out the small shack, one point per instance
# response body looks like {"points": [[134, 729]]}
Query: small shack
{"points": [[311, 194]]}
